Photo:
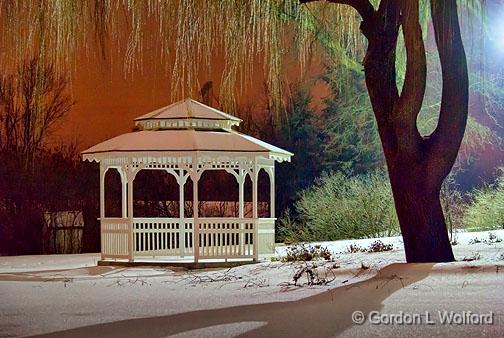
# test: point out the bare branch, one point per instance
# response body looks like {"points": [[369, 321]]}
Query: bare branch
{"points": [[445, 141], [379, 67], [411, 99], [416, 65], [31, 101]]}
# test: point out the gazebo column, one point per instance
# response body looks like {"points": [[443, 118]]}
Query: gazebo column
{"points": [[241, 193], [271, 173], [241, 207], [103, 171], [240, 179], [195, 178], [255, 177], [124, 192], [181, 180], [130, 174]]}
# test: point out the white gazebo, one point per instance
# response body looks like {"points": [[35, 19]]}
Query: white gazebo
{"points": [[185, 139]]}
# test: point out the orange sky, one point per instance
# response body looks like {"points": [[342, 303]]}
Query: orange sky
{"points": [[107, 100]]}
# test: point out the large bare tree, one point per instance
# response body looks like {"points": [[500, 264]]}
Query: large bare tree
{"points": [[32, 101], [33, 98], [417, 165]]}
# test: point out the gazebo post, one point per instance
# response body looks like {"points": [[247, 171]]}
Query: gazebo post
{"points": [[254, 192], [181, 180], [271, 173], [103, 171], [131, 177], [195, 179], [241, 197], [124, 192], [255, 177], [241, 204]]}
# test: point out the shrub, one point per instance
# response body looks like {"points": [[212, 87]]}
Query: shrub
{"points": [[304, 253], [475, 256], [379, 246], [454, 204], [355, 248], [487, 210], [492, 239], [290, 231], [343, 207], [376, 246]]}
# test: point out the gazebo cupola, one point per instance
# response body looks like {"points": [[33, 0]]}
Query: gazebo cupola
{"points": [[188, 114], [186, 139]]}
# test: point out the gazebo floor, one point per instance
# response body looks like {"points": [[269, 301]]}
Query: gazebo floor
{"points": [[177, 262]]}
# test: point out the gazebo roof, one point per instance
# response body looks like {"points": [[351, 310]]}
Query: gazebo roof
{"points": [[185, 114], [187, 109], [185, 126]]}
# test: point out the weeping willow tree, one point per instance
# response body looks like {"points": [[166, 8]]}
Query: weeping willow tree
{"points": [[188, 35]]}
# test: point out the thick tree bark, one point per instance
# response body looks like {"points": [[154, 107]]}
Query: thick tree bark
{"points": [[420, 215], [417, 165]]}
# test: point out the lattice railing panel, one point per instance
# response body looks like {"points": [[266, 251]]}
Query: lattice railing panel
{"points": [[162, 237], [226, 238], [115, 238], [265, 237]]}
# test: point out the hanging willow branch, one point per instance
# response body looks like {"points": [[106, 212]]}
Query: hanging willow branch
{"points": [[187, 35]]}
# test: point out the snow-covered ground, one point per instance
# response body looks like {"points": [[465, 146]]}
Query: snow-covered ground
{"points": [[68, 295], [336, 247]]}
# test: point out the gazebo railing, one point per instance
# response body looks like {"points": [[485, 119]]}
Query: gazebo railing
{"points": [[115, 234], [162, 237], [219, 238], [226, 237], [266, 237]]}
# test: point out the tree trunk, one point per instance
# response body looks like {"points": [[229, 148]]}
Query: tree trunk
{"points": [[418, 165], [420, 216]]}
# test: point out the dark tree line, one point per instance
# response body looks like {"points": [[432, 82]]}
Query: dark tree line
{"points": [[35, 179]]}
